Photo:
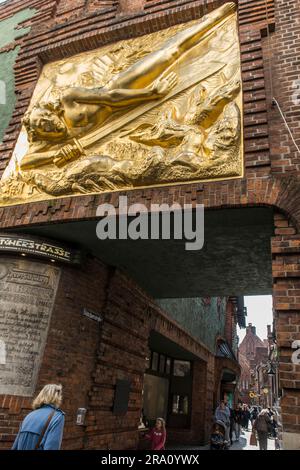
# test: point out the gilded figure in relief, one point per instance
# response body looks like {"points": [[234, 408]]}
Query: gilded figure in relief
{"points": [[161, 113]]}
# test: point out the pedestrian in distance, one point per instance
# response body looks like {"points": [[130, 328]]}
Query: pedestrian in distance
{"points": [[158, 435], [42, 429], [261, 425], [232, 423], [237, 422], [253, 415], [245, 417], [223, 414]]}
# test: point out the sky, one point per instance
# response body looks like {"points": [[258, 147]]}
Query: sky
{"points": [[259, 313]]}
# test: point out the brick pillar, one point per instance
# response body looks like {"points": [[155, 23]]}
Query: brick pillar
{"points": [[121, 355], [286, 295]]}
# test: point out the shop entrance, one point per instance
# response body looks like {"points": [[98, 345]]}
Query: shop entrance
{"points": [[168, 383]]}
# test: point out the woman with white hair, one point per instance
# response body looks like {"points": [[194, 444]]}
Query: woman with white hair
{"points": [[42, 429]]}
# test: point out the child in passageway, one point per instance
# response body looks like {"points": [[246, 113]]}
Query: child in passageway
{"points": [[158, 435]]}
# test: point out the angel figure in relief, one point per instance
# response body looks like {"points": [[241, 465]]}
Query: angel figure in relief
{"points": [[54, 128]]}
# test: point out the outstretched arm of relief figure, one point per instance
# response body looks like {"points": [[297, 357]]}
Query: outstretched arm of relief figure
{"points": [[153, 65], [119, 98]]}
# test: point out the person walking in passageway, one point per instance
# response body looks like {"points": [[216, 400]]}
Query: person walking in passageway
{"points": [[237, 421], [253, 415], [232, 424], [245, 417], [42, 429], [223, 414], [261, 426], [158, 435]]}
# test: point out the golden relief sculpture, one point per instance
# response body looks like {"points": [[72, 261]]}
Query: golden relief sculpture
{"points": [[155, 110]]}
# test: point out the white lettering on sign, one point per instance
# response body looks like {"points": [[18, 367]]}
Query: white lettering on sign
{"points": [[13, 243], [296, 354]]}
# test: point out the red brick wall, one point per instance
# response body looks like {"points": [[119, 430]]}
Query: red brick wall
{"points": [[286, 298], [121, 354], [12, 411], [73, 341], [69, 355], [87, 359], [245, 379], [131, 6], [285, 48], [230, 324]]}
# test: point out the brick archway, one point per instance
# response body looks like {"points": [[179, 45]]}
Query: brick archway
{"points": [[281, 193]]}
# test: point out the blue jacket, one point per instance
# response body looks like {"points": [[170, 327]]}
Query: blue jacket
{"points": [[223, 415], [32, 427]]}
